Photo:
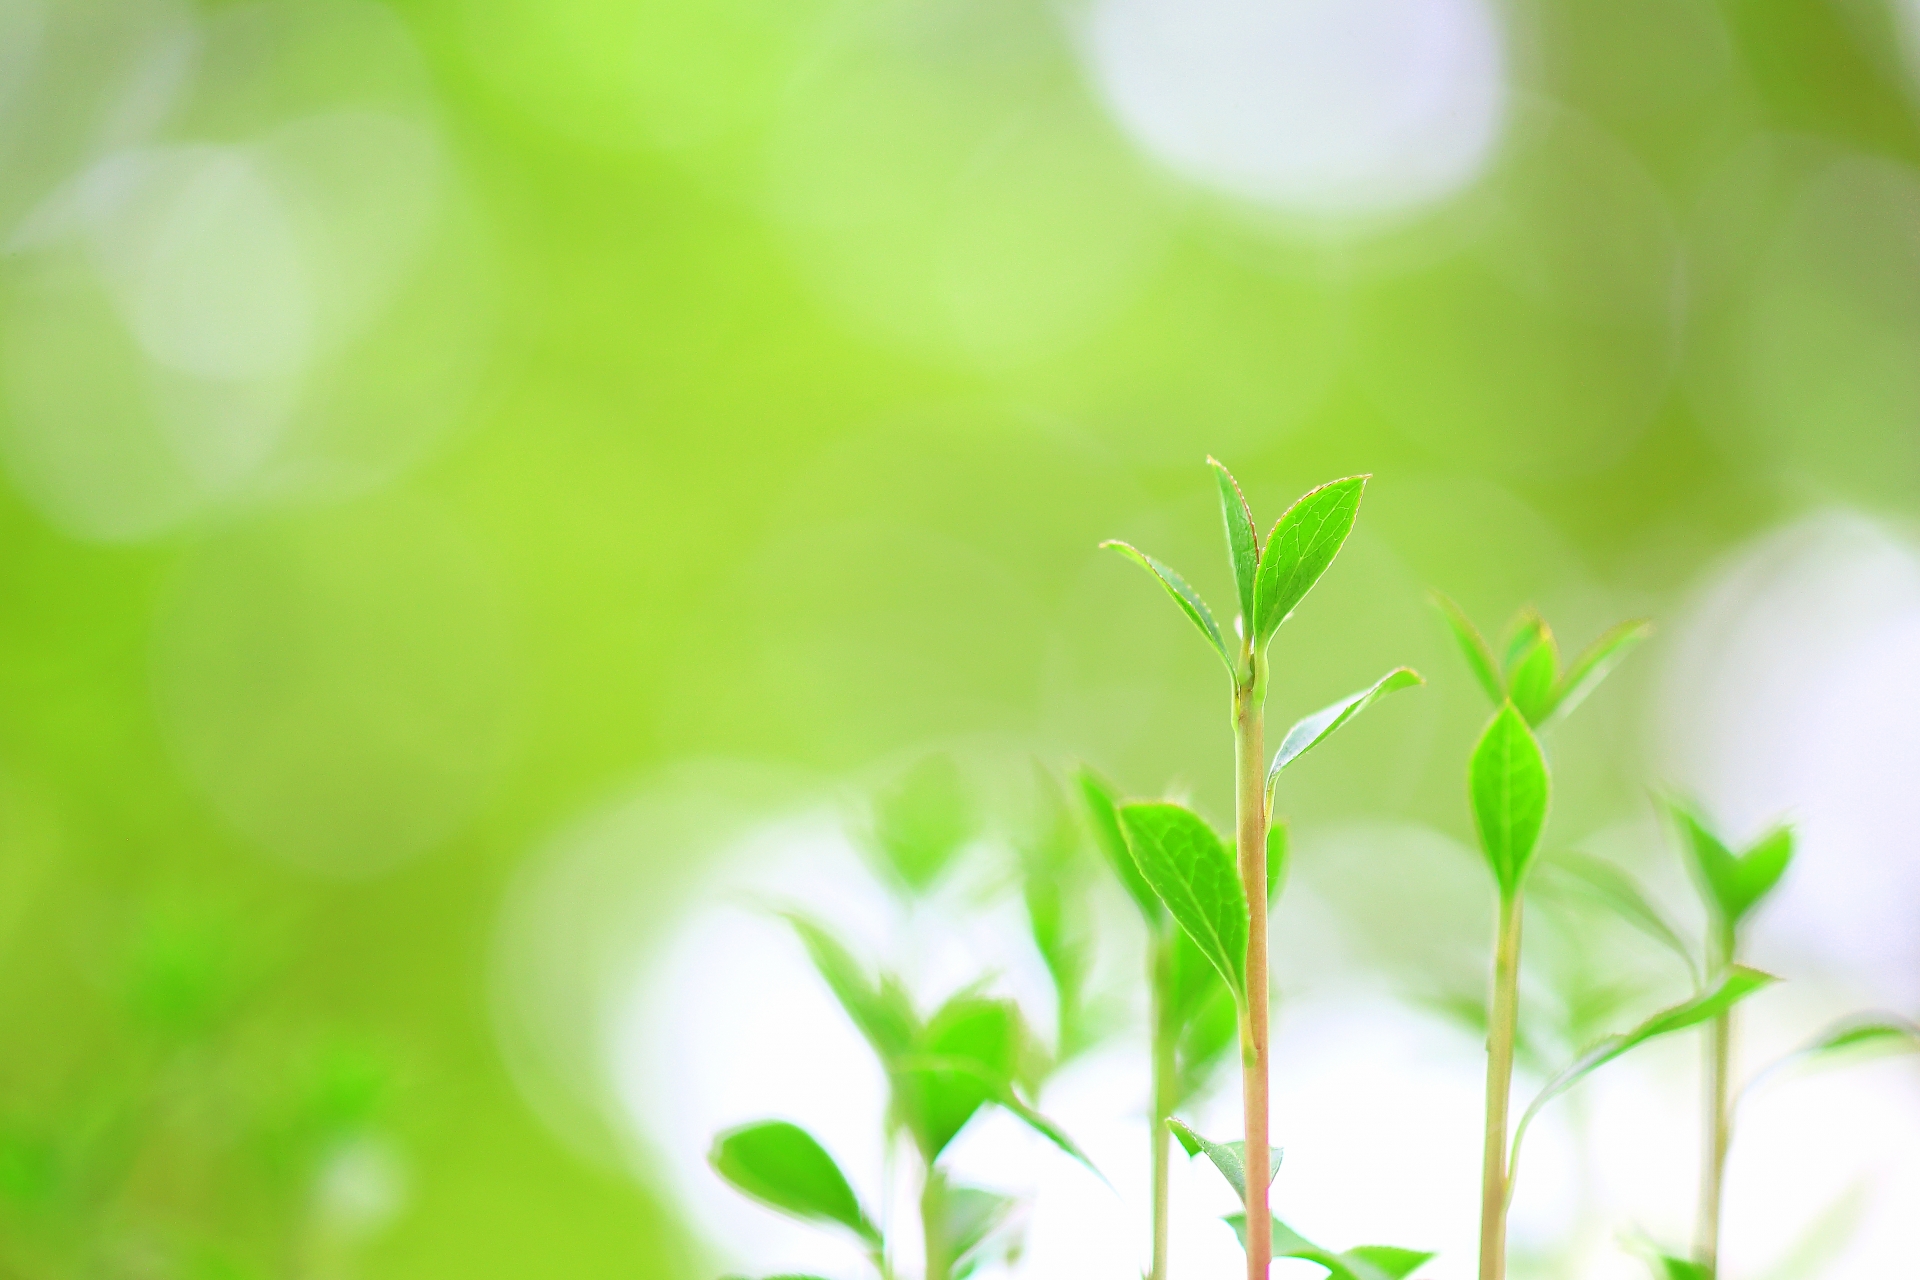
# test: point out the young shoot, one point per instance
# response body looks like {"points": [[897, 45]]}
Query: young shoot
{"points": [[1509, 788], [1209, 893]]}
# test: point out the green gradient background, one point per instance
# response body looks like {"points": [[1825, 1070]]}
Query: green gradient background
{"points": [[708, 506]]}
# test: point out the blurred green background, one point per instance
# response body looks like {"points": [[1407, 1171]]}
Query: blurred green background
{"points": [[425, 421]]}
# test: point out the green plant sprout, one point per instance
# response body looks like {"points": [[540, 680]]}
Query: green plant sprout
{"points": [[1509, 789], [974, 1051], [1731, 886], [1207, 890]]}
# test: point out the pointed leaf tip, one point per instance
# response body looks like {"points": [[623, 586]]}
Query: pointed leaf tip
{"points": [[1243, 538], [1319, 726], [782, 1165], [1192, 872], [1230, 1158], [1473, 647], [1185, 596], [1302, 545]]}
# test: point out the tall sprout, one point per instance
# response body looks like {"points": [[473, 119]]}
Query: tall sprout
{"points": [[1219, 897]]}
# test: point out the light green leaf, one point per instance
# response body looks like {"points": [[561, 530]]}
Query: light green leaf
{"points": [[1243, 538], [1209, 1035], [1867, 1036], [922, 821], [1103, 815], [1367, 1262], [1183, 595], [1473, 647], [1740, 983], [1533, 667], [1230, 1158], [1316, 728], [1591, 667], [1195, 876], [963, 1218], [1733, 883], [1510, 791], [1393, 1262], [1277, 855], [1618, 891], [781, 1165], [967, 1057], [1668, 1267], [937, 1073], [881, 1011], [1303, 543]]}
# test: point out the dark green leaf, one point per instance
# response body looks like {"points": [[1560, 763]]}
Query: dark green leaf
{"points": [[1740, 983], [781, 1165], [882, 1012], [1533, 668], [1615, 889], [1243, 539], [1316, 728], [1591, 667], [1183, 595], [1301, 546], [1508, 780], [1103, 815], [922, 821], [967, 1057], [1230, 1158], [1195, 876], [1473, 647], [1733, 883]]}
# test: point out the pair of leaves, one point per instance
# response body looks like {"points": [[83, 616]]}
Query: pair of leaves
{"points": [[1269, 582], [1739, 983], [968, 1055], [782, 1165], [1510, 789], [1732, 884], [1528, 674]]}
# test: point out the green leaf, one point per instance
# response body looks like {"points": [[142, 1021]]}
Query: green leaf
{"points": [[1510, 789], [963, 1219], [1303, 543], [1619, 892], [1367, 1262], [1208, 1037], [1533, 667], [1277, 855], [1243, 539], [1394, 1263], [882, 1012], [938, 1072], [922, 821], [1103, 815], [1867, 1036], [1740, 983], [1183, 595], [1230, 1158], [1316, 728], [1668, 1267], [1473, 647], [1591, 667], [1733, 884], [966, 1058], [780, 1164], [1195, 876]]}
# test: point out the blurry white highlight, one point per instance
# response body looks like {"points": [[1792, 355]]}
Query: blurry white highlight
{"points": [[1313, 107]]}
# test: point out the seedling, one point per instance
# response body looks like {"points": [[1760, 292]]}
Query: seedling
{"points": [[1731, 886], [1509, 789], [1206, 890], [974, 1051]]}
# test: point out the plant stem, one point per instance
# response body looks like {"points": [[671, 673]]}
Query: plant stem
{"points": [[1166, 1032], [932, 1211], [1250, 834], [1502, 1019], [1719, 1134]]}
